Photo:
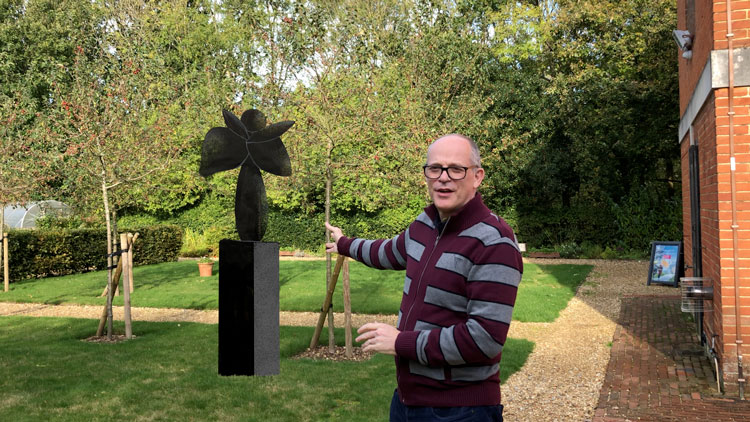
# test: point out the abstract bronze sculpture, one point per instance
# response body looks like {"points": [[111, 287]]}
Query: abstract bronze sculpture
{"points": [[249, 143], [248, 268]]}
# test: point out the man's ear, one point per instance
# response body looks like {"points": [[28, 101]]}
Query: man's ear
{"points": [[478, 177]]}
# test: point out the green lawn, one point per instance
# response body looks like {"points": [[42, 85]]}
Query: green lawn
{"points": [[544, 291], [372, 291], [169, 372]]}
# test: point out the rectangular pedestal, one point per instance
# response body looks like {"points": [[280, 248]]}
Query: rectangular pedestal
{"points": [[248, 308]]}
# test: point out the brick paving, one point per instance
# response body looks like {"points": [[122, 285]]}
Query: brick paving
{"points": [[658, 370]]}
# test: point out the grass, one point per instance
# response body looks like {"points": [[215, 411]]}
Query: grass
{"points": [[544, 291], [166, 285], [372, 291], [169, 372]]}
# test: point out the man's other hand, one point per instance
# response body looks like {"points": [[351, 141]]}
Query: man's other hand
{"points": [[378, 337]]}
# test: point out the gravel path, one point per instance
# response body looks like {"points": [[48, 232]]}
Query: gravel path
{"points": [[561, 378], [302, 319]]}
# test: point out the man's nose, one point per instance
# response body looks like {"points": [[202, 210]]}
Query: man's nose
{"points": [[444, 176]]}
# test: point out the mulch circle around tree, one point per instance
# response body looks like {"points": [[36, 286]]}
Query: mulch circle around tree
{"points": [[116, 338], [338, 355]]}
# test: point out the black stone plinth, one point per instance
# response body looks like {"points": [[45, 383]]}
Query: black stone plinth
{"points": [[248, 308]]}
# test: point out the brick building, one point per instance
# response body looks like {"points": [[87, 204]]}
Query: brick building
{"points": [[714, 75]]}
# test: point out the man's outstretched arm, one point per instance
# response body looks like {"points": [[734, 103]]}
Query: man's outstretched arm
{"points": [[381, 253]]}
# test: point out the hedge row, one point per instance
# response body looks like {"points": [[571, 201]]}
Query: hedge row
{"points": [[308, 232], [43, 253], [631, 225]]}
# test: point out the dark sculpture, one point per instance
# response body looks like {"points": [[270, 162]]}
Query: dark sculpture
{"points": [[249, 143]]}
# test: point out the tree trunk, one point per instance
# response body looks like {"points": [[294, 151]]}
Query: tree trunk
{"points": [[6, 263], [106, 310], [329, 176], [327, 301], [131, 242], [2, 235], [105, 199], [115, 245]]}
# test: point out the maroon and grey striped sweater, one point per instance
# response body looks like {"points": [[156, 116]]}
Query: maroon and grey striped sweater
{"points": [[460, 287]]}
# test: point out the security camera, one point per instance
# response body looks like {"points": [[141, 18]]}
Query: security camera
{"points": [[683, 39]]}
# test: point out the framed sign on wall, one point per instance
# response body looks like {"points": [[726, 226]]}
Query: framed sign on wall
{"points": [[666, 264]]}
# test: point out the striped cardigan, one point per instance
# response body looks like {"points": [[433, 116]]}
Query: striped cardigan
{"points": [[460, 287]]}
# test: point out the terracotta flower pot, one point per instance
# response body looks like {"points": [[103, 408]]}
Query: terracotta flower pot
{"points": [[205, 268]]}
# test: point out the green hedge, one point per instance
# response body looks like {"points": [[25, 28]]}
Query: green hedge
{"points": [[213, 219], [308, 232], [43, 253], [156, 244], [296, 231], [40, 253]]}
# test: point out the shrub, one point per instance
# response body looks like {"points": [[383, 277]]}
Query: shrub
{"points": [[308, 232], [637, 222], [591, 250], [156, 244], [583, 221], [609, 253], [50, 222], [296, 231], [42, 253], [568, 250], [194, 244]]}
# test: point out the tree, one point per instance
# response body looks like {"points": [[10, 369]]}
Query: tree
{"points": [[116, 117], [27, 163], [201, 70], [387, 79], [604, 110], [36, 42], [573, 107]]}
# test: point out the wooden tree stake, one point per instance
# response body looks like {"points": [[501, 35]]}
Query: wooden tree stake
{"points": [[115, 282], [126, 270], [2, 261], [347, 311], [327, 301], [131, 241], [6, 267]]}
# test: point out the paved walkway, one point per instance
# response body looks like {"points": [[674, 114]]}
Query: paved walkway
{"points": [[658, 371]]}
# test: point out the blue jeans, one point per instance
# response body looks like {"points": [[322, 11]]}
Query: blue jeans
{"points": [[402, 413]]}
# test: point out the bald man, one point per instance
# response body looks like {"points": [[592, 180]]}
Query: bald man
{"points": [[463, 267]]}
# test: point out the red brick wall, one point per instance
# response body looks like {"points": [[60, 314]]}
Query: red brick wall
{"points": [[710, 219], [711, 132], [687, 240], [726, 283], [710, 34], [704, 133], [740, 23], [690, 70]]}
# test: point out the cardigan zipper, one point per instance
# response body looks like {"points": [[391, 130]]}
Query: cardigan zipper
{"points": [[424, 268]]}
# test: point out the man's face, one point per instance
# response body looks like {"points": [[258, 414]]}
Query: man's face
{"points": [[448, 195]]}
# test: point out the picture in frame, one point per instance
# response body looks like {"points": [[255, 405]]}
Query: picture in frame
{"points": [[665, 266]]}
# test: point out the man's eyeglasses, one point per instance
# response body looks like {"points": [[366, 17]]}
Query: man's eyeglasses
{"points": [[454, 172]]}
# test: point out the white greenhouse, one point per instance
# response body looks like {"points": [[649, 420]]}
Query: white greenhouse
{"points": [[24, 216]]}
